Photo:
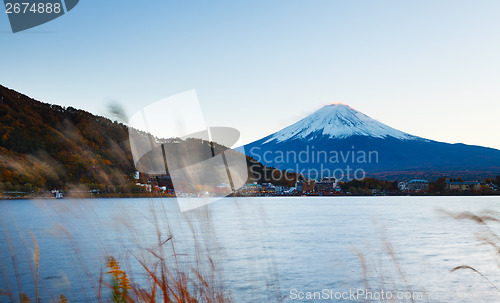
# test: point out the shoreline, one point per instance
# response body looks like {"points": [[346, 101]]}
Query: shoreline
{"points": [[149, 195]]}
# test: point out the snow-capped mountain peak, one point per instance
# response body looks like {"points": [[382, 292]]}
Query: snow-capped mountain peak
{"points": [[337, 120]]}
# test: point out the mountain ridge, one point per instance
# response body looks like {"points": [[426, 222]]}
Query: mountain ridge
{"points": [[338, 120], [50, 146], [45, 146], [338, 128]]}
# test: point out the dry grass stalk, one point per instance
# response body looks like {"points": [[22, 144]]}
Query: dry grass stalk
{"points": [[486, 236]]}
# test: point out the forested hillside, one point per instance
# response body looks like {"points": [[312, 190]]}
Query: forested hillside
{"points": [[49, 146], [44, 146]]}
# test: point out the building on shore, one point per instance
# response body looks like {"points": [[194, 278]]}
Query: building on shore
{"points": [[326, 185], [453, 185], [251, 189], [268, 188], [305, 186], [417, 185], [58, 194], [148, 187]]}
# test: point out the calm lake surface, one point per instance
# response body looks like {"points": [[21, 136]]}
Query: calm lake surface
{"points": [[264, 248]]}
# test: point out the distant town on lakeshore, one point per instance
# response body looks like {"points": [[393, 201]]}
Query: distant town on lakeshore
{"points": [[54, 152], [160, 186], [331, 187]]}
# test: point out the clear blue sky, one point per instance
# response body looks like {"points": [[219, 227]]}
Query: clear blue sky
{"points": [[430, 68]]}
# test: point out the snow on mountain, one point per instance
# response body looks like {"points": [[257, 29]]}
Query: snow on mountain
{"points": [[338, 129], [337, 121]]}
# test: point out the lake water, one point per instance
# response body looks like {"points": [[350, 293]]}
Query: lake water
{"points": [[263, 248]]}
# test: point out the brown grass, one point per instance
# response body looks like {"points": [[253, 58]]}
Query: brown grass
{"points": [[177, 276], [486, 235], [165, 274]]}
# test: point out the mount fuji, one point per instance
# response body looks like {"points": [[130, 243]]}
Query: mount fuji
{"points": [[338, 138]]}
